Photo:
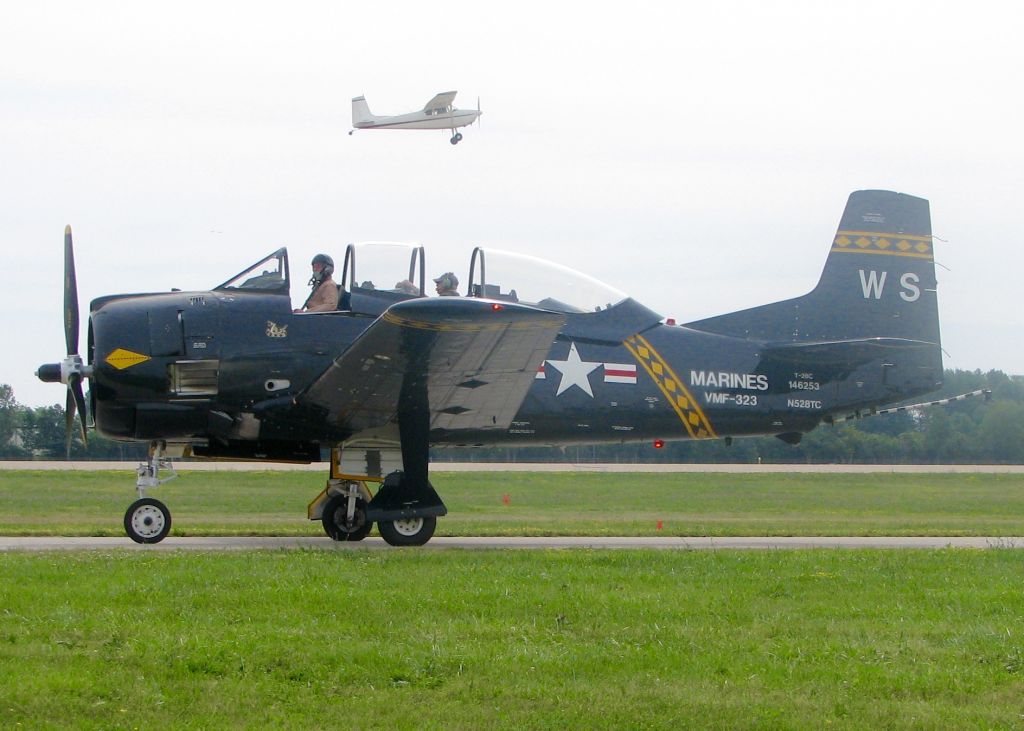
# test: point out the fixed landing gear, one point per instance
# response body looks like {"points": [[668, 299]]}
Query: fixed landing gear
{"points": [[148, 520], [456, 138]]}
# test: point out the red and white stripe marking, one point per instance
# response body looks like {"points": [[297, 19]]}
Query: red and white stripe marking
{"points": [[613, 373]]}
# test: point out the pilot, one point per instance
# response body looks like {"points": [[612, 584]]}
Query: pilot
{"points": [[324, 297], [447, 285]]}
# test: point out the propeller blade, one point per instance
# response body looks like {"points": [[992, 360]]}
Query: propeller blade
{"points": [[70, 295], [69, 420], [75, 387]]}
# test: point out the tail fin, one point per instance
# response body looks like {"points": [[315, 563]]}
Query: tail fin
{"points": [[877, 292], [878, 281], [361, 111]]}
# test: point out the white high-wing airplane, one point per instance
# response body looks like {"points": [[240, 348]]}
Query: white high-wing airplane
{"points": [[437, 114]]}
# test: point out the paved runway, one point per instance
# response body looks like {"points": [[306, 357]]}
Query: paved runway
{"points": [[226, 543]]}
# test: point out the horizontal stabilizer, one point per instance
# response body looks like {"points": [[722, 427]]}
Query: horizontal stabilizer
{"points": [[843, 352]]}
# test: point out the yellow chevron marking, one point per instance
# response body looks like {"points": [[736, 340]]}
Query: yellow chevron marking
{"points": [[868, 242], [122, 358], [926, 239], [683, 403]]}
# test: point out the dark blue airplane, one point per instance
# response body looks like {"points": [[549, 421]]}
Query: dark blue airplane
{"points": [[532, 354]]}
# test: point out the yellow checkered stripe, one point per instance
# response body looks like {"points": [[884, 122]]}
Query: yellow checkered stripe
{"points": [[681, 400], [872, 242]]}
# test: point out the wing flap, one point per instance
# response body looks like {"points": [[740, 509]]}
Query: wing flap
{"points": [[470, 364]]}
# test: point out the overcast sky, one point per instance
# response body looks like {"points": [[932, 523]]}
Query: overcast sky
{"points": [[697, 156]]}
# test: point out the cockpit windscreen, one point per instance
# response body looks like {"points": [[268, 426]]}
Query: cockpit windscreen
{"points": [[267, 275], [512, 277]]}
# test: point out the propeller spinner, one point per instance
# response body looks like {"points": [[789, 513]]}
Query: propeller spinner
{"points": [[72, 369]]}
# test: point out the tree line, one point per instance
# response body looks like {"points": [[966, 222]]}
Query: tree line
{"points": [[975, 430]]}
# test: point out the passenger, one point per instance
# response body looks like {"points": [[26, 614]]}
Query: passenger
{"points": [[406, 287], [447, 285], [324, 297]]}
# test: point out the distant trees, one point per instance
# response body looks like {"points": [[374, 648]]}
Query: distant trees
{"points": [[969, 431], [39, 433]]}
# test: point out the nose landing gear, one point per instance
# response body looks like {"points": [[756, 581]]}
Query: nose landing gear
{"points": [[148, 520]]}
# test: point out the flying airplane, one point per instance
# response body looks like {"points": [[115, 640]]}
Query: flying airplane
{"points": [[438, 113], [534, 353]]}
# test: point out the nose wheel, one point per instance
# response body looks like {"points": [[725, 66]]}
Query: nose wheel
{"points": [[147, 520]]}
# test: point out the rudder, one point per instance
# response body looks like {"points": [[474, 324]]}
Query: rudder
{"points": [[361, 111]]}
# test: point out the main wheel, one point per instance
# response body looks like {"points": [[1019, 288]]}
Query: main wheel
{"points": [[147, 521], [336, 522], [408, 531], [454, 140]]}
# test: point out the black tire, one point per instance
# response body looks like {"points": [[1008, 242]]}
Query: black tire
{"points": [[147, 520], [336, 523], [408, 532]]}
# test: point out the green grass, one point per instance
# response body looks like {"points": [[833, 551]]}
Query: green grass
{"points": [[274, 503], [409, 639]]}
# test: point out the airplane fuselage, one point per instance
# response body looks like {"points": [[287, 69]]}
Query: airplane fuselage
{"points": [[421, 120], [224, 370]]}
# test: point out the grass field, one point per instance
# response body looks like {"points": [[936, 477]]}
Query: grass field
{"points": [[408, 639], [274, 503]]}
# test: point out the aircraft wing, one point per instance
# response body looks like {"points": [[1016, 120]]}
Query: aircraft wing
{"points": [[444, 99], [468, 361]]}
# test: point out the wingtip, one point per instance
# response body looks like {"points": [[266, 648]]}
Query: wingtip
{"points": [[67, 229]]}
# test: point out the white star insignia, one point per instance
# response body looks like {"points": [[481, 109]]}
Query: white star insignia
{"points": [[575, 372]]}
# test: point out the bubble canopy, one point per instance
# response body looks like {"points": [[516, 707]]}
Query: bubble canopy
{"points": [[503, 275]]}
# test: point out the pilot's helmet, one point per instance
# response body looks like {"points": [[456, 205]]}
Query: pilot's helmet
{"points": [[328, 263], [447, 281]]}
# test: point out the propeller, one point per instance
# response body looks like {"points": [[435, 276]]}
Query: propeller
{"points": [[479, 114], [72, 369], [70, 294], [75, 398]]}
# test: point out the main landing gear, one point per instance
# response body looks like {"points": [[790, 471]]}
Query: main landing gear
{"points": [[344, 513], [405, 515], [456, 138], [148, 520]]}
